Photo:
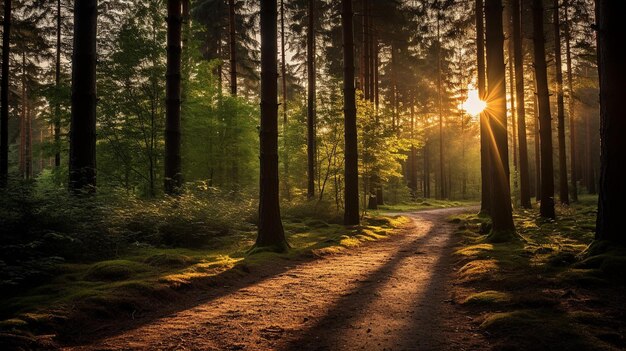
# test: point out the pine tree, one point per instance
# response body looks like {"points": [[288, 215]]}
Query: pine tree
{"points": [[501, 212], [351, 214], [545, 117], [270, 232], [82, 163], [4, 95], [611, 58]]}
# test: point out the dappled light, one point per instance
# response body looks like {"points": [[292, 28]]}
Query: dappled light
{"points": [[312, 175]]}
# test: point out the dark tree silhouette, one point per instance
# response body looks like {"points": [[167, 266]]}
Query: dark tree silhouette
{"points": [[82, 165], [611, 58], [545, 123], [501, 211], [351, 198], [485, 200], [560, 106], [311, 93], [4, 95], [173, 175], [271, 232], [521, 109]]}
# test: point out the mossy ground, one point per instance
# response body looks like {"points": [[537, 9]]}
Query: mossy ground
{"points": [[145, 273], [544, 289]]}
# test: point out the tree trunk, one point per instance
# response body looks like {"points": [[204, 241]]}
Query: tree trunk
{"points": [[82, 165], [173, 176], [366, 51], [4, 95], [233, 47], [57, 84], [311, 93], [521, 108], [501, 215], [545, 123], [513, 103], [351, 215], [442, 176], [590, 172], [570, 88], [485, 196], [563, 190], [611, 58], [413, 157], [283, 71], [271, 233], [537, 148]]}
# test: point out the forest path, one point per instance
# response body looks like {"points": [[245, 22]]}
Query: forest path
{"points": [[393, 294]]}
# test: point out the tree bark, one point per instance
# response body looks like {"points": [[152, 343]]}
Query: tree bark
{"points": [[521, 108], [57, 84], [351, 214], [442, 175], [485, 196], [545, 123], [537, 146], [611, 58], [563, 189], [233, 47], [501, 215], [570, 88], [4, 95], [82, 164], [513, 97], [271, 232], [173, 176], [283, 74], [311, 93]]}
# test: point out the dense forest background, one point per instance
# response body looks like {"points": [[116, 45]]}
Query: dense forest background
{"points": [[226, 125]]}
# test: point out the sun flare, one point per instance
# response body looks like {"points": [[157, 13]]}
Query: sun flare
{"points": [[473, 105]]}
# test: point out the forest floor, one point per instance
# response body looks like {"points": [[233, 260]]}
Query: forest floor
{"points": [[393, 294]]}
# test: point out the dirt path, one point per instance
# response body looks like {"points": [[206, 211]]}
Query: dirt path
{"points": [[389, 295]]}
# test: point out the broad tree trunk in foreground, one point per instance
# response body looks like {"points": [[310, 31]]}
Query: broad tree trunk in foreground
{"points": [[351, 198], [485, 199], [173, 176], [545, 123], [4, 95], [311, 119], [82, 163], [563, 190], [271, 233], [521, 108], [501, 213], [611, 58]]}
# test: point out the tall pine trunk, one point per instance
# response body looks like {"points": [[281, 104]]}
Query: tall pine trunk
{"points": [[485, 196], [4, 95], [521, 108], [612, 72], [283, 76], [545, 123], [502, 211], [271, 232], [311, 93], [232, 44], [570, 89], [57, 84], [173, 176], [82, 164], [537, 146], [351, 197], [442, 176], [560, 105]]}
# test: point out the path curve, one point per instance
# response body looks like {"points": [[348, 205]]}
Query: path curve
{"points": [[389, 295]]}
